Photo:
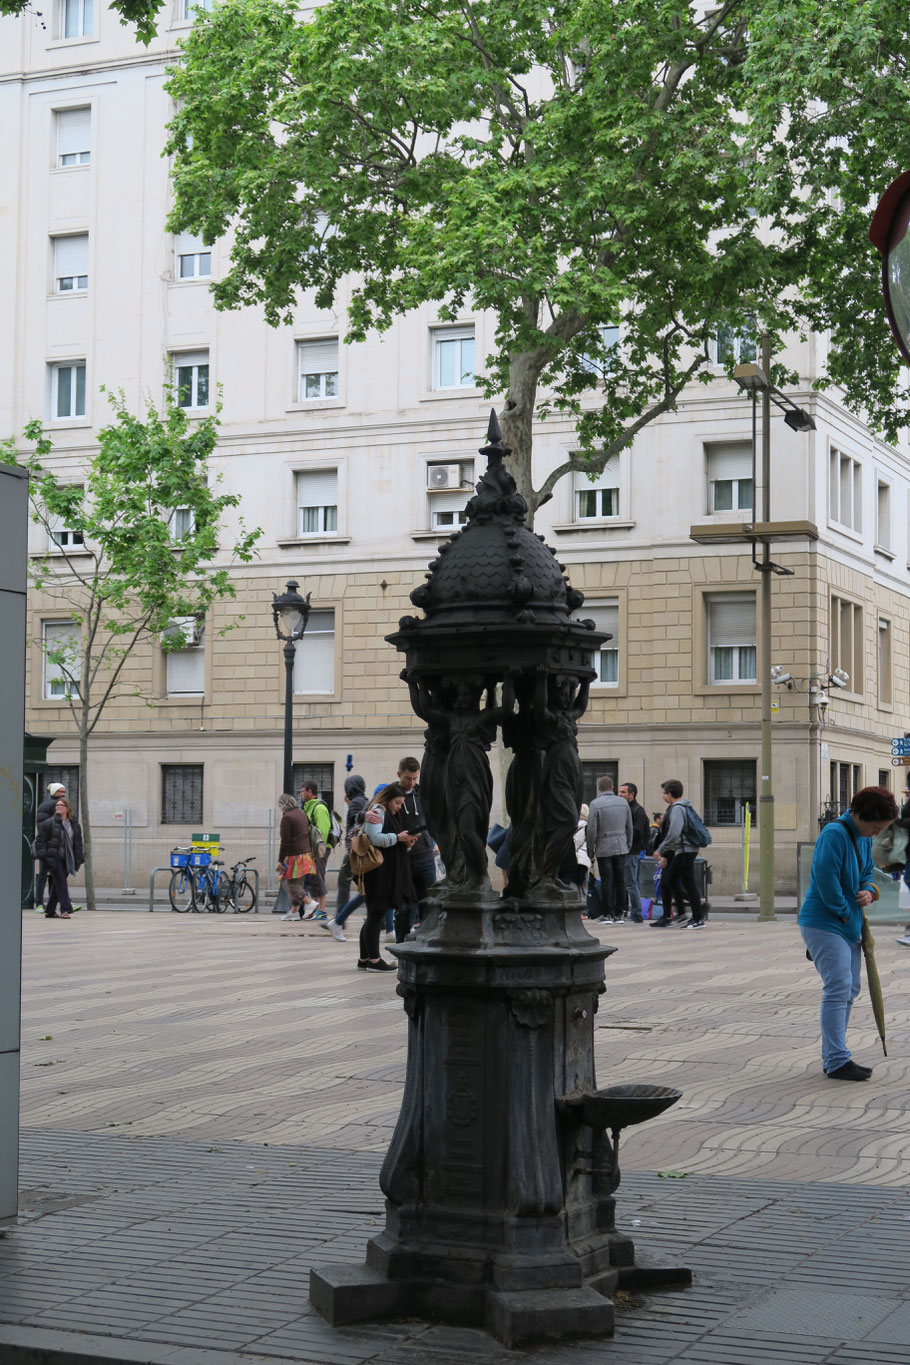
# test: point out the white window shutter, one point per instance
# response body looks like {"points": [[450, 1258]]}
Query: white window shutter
{"points": [[71, 255], [730, 460], [188, 245], [318, 357], [317, 488], [74, 131], [732, 620], [186, 671], [314, 658], [609, 478]]}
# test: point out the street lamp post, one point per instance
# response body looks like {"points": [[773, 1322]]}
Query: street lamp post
{"points": [[290, 612], [755, 378]]}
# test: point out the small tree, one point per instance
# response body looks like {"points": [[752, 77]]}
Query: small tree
{"points": [[683, 170], [125, 572]]}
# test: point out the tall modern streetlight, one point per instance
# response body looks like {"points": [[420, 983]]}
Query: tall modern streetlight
{"points": [[291, 613], [755, 379]]}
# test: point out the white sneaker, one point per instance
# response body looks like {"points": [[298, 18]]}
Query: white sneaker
{"points": [[390, 936], [336, 930], [291, 915], [311, 908], [905, 941]]}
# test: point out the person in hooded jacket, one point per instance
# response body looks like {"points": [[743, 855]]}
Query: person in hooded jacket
{"points": [[45, 811], [58, 846]]}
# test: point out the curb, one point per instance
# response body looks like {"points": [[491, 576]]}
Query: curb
{"points": [[33, 1346]]}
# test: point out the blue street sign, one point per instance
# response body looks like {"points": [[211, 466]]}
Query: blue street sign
{"points": [[900, 746]]}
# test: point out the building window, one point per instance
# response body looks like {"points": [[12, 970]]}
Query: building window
{"points": [[845, 501], [181, 794], [846, 781], [609, 339], [314, 659], [191, 379], [605, 616], [61, 645], [729, 788], [317, 502], [317, 369], [60, 536], [884, 778], [450, 487], [67, 774], [591, 773], [453, 358], [323, 774], [194, 259], [182, 522], [729, 348], [597, 499], [185, 667], [76, 18], [188, 9], [68, 389], [884, 662], [846, 650], [70, 263], [729, 477], [731, 637], [74, 137], [883, 516]]}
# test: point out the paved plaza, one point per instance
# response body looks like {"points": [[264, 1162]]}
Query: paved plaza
{"points": [[206, 1101]]}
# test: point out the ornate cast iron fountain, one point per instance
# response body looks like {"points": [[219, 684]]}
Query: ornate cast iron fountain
{"points": [[500, 1178]]}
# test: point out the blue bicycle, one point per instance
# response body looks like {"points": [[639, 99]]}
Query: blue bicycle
{"points": [[197, 883]]}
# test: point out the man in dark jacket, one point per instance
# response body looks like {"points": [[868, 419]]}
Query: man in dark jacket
{"points": [[422, 856], [640, 827], [355, 797]]}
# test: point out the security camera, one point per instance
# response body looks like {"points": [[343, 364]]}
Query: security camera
{"points": [[784, 679], [819, 698], [839, 678]]}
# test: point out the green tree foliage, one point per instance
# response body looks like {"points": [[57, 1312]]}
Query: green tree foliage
{"points": [[142, 13], [678, 168], [125, 572]]}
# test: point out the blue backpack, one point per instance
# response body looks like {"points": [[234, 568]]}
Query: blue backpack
{"points": [[694, 830]]}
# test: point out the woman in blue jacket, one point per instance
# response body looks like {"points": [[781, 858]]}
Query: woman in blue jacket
{"points": [[831, 918]]}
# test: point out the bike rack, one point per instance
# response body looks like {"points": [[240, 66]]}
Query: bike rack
{"points": [[168, 868]]}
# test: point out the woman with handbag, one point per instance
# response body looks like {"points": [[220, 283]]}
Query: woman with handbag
{"points": [[389, 884], [295, 861]]}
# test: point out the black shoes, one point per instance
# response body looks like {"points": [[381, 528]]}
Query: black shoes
{"points": [[850, 1071], [661, 922], [365, 965]]}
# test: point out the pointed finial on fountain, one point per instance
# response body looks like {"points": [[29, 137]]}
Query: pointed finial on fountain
{"points": [[494, 430]]}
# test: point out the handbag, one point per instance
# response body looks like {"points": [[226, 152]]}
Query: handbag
{"points": [[364, 856], [496, 837]]}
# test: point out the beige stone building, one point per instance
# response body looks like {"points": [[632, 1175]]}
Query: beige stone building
{"points": [[357, 460]]}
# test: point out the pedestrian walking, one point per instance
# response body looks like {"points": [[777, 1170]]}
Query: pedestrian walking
{"points": [[830, 920], [320, 818], [295, 861], [45, 811], [609, 838], [355, 797], [390, 884], [422, 856], [58, 846]]}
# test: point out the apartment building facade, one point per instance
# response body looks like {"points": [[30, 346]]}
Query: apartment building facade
{"points": [[358, 460]]}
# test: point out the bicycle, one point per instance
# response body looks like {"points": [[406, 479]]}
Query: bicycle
{"points": [[182, 888], [207, 888], [235, 891]]}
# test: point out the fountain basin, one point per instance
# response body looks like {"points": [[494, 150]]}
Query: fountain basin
{"points": [[619, 1106]]}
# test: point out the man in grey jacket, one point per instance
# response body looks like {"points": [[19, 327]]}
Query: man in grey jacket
{"points": [[676, 854], [609, 838]]}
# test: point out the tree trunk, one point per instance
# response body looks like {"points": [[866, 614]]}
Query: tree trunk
{"points": [[84, 813], [516, 420]]}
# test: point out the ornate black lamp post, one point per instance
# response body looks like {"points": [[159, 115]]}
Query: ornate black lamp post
{"points": [[500, 1178], [291, 613]]}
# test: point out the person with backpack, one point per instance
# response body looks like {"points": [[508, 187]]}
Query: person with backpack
{"points": [[676, 854], [324, 834], [830, 920]]}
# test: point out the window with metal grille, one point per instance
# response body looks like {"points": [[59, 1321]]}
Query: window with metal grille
{"points": [[846, 780], [591, 772], [67, 774], [323, 774], [181, 794], [729, 788]]}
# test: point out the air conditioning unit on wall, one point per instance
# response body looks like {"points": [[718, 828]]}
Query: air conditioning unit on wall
{"points": [[443, 476]]}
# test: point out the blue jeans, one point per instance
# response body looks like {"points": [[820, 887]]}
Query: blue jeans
{"points": [[633, 894], [351, 906], [837, 963]]}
